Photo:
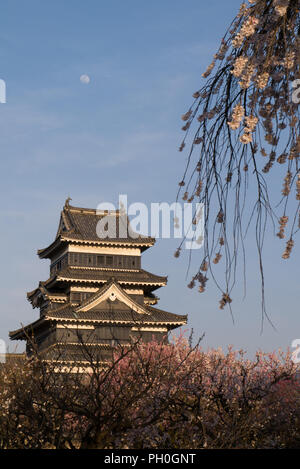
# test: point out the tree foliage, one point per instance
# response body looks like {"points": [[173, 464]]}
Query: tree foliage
{"points": [[245, 140], [153, 396]]}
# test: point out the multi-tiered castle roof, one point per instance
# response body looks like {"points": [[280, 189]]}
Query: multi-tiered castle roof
{"points": [[97, 293]]}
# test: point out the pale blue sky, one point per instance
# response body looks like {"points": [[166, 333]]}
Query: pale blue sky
{"points": [[117, 135]]}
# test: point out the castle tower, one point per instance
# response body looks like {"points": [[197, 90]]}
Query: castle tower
{"points": [[97, 292]]}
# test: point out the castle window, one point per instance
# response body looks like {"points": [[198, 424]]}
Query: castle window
{"points": [[109, 260], [75, 296], [100, 260]]}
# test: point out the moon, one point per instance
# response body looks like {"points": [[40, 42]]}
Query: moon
{"points": [[85, 79]]}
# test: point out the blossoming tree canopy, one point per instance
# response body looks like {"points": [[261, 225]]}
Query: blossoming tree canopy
{"points": [[246, 135], [154, 395]]}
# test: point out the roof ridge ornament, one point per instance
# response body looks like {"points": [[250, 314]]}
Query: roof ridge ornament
{"points": [[67, 202]]}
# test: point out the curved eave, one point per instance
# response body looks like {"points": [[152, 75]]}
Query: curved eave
{"points": [[64, 239], [46, 252], [132, 322], [31, 293], [140, 243], [21, 334], [65, 276], [123, 282], [181, 317]]}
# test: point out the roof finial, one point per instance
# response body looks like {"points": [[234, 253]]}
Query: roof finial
{"points": [[67, 202]]}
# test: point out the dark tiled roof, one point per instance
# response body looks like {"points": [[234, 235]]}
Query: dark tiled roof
{"points": [[121, 315], [118, 311], [80, 224], [68, 313], [155, 312], [21, 334], [83, 225], [44, 291], [102, 275]]}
